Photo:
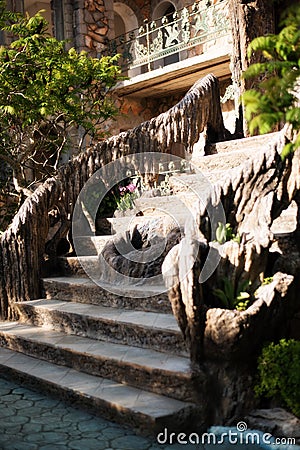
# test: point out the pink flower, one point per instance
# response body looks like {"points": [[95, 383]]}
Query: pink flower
{"points": [[122, 190], [131, 187]]}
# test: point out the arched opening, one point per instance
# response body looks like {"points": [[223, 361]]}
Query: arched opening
{"points": [[119, 25], [127, 16], [125, 21], [164, 14], [168, 40]]}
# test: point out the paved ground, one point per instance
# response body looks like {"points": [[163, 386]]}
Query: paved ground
{"points": [[32, 421]]}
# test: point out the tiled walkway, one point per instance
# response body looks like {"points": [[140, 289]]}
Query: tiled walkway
{"points": [[32, 421]]}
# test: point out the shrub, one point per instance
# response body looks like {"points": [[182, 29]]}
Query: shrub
{"points": [[279, 373]]}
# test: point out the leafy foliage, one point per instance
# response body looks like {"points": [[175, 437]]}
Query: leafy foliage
{"points": [[279, 373], [50, 98], [276, 101], [225, 233], [231, 297]]}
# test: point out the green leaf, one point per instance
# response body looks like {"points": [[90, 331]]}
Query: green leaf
{"points": [[287, 150], [229, 290], [273, 102], [8, 109], [221, 295]]}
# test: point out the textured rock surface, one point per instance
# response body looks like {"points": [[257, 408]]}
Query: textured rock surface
{"points": [[140, 253], [275, 421], [253, 196], [238, 334]]}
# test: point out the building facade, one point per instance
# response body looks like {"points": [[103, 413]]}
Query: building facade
{"points": [[165, 46]]}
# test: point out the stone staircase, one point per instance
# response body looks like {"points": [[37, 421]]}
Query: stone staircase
{"points": [[120, 354]]}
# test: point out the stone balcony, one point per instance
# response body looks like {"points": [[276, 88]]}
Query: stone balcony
{"points": [[171, 53]]}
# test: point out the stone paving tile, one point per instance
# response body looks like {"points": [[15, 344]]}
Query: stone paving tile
{"points": [[138, 317], [48, 371], [30, 420], [166, 321]]}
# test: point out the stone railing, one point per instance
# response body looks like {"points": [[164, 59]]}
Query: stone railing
{"points": [[184, 30], [34, 234]]}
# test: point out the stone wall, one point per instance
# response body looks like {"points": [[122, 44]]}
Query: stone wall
{"points": [[92, 21], [134, 110], [68, 22]]}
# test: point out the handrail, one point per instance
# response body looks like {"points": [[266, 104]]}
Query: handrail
{"points": [[185, 29], [23, 245]]}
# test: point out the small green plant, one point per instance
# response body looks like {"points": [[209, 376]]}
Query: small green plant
{"points": [[233, 298], [267, 280], [279, 373], [224, 233]]}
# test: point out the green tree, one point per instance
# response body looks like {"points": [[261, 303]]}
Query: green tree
{"points": [[277, 97], [47, 94]]}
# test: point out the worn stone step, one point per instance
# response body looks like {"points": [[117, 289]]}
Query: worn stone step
{"points": [[155, 211], [249, 143], [176, 207], [143, 411], [72, 266], [230, 154], [162, 373], [141, 329], [199, 184], [225, 161], [91, 245], [84, 290]]}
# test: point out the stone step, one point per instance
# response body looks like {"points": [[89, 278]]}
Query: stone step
{"points": [[138, 328], [91, 245], [225, 161], [155, 211], [84, 290], [143, 411], [224, 156], [249, 143], [199, 184], [72, 266], [162, 373], [174, 207]]}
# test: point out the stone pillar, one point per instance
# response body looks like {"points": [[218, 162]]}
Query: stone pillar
{"points": [[94, 21]]}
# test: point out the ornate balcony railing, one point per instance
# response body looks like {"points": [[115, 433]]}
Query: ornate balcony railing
{"points": [[185, 29]]}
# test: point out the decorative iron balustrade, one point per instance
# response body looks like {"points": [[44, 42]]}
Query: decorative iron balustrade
{"points": [[184, 29]]}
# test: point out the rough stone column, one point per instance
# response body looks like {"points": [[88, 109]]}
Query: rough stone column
{"points": [[80, 26], [69, 28]]}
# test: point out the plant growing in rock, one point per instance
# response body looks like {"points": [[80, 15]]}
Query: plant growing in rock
{"points": [[233, 297], [225, 233], [279, 373]]}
